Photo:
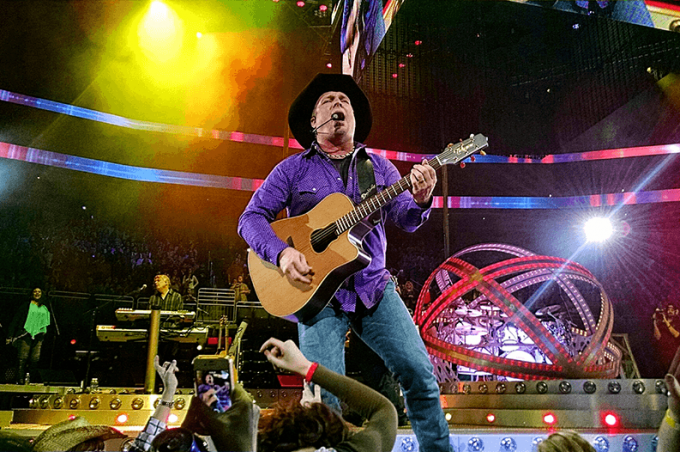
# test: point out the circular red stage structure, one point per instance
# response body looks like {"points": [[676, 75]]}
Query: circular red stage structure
{"points": [[472, 316]]}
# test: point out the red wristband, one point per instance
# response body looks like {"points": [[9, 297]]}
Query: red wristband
{"points": [[310, 372]]}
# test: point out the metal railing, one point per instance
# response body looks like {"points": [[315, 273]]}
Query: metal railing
{"points": [[210, 306], [14, 291], [208, 295], [216, 304], [119, 301]]}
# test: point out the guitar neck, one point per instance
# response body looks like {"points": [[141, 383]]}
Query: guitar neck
{"points": [[453, 153], [371, 205]]}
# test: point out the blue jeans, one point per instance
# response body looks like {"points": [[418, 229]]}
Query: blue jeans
{"points": [[388, 330]]}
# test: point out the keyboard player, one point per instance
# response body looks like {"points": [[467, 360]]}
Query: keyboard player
{"points": [[166, 298]]}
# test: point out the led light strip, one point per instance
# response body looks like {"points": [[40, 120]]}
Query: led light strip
{"points": [[120, 121], [41, 157], [32, 155], [529, 203], [240, 137]]}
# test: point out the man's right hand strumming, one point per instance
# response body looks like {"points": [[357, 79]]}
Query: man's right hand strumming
{"points": [[294, 266]]}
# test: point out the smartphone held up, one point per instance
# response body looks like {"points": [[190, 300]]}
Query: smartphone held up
{"points": [[214, 381]]}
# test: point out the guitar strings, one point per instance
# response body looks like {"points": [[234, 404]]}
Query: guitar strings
{"points": [[381, 200], [332, 229]]}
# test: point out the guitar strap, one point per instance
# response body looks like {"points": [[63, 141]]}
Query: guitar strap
{"points": [[366, 177], [367, 188]]}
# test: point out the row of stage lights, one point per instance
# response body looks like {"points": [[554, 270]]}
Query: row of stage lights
{"points": [[95, 403], [608, 418], [508, 444], [565, 387]]}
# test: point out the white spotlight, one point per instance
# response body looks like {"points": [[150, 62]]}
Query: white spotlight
{"points": [[598, 229]]}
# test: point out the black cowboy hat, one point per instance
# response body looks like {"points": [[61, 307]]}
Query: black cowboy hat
{"points": [[302, 108]]}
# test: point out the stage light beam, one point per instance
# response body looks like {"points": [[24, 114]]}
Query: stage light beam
{"points": [[598, 229], [160, 33]]}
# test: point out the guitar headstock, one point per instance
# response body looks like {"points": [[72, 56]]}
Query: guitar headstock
{"points": [[457, 152]]}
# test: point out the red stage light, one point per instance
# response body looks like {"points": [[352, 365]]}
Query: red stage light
{"points": [[490, 417], [72, 417], [418, 42], [73, 342], [395, 75], [323, 8], [402, 65], [611, 420], [122, 418], [329, 65], [549, 418], [300, 3]]}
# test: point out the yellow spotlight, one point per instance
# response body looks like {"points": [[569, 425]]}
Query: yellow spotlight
{"points": [[160, 33], [199, 35]]}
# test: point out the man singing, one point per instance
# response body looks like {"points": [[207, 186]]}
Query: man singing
{"points": [[331, 118]]}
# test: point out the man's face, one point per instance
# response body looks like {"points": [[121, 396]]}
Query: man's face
{"points": [[240, 279], [334, 102], [161, 282], [37, 293], [409, 285]]}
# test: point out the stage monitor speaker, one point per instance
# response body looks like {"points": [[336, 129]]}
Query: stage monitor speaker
{"points": [[58, 377]]}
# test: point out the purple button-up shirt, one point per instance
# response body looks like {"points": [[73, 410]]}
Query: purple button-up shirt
{"points": [[298, 184]]}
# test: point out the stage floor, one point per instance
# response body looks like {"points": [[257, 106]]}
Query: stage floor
{"points": [[517, 411]]}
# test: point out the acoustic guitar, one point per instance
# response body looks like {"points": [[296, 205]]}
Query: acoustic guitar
{"points": [[330, 237]]}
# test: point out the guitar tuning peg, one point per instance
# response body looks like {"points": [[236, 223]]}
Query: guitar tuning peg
{"points": [[482, 153], [462, 164], [472, 135], [472, 158]]}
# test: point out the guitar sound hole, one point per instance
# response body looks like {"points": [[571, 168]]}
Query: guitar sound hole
{"points": [[321, 238]]}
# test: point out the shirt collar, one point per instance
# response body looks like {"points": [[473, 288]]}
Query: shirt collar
{"points": [[316, 149]]}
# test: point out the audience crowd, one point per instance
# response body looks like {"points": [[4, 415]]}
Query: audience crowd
{"points": [[90, 256], [84, 255]]}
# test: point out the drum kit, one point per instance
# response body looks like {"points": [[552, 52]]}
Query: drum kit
{"points": [[485, 328]]}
